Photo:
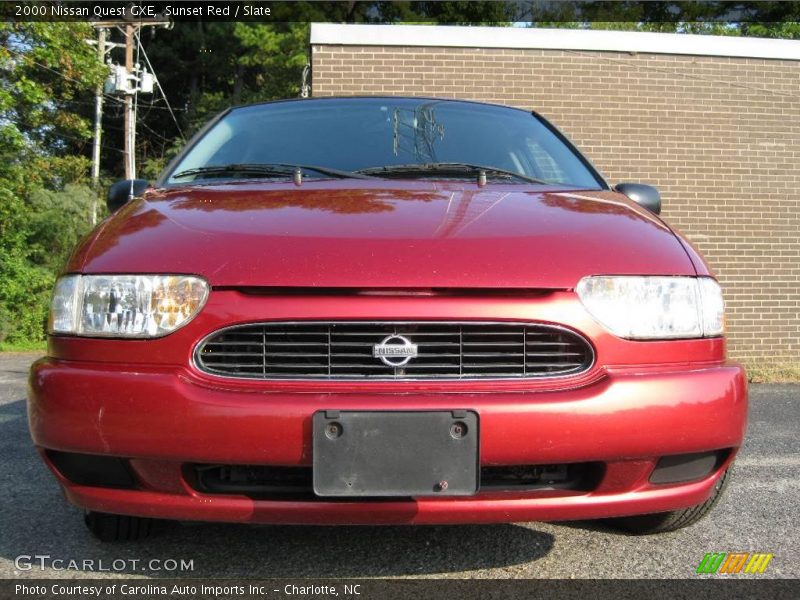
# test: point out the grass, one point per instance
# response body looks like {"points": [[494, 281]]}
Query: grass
{"points": [[773, 372], [23, 346]]}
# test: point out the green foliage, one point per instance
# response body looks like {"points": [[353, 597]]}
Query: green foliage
{"points": [[45, 69], [27, 347], [25, 286], [58, 220], [274, 55], [789, 30], [37, 235], [756, 19]]}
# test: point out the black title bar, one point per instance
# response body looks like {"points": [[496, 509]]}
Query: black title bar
{"points": [[345, 11], [708, 588]]}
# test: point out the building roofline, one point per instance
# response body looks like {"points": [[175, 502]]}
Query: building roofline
{"points": [[451, 36]]}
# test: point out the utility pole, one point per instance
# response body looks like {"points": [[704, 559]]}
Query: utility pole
{"points": [[129, 87], [129, 152], [98, 122]]}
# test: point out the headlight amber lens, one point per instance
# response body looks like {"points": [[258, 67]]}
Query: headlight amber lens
{"points": [[713, 307], [636, 307], [140, 306], [63, 311]]}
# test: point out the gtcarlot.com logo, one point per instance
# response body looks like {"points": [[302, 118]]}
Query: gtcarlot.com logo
{"points": [[42, 562]]}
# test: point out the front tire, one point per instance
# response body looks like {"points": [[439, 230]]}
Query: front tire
{"points": [[119, 528], [673, 520]]}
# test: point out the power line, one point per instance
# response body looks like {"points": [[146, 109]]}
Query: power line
{"points": [[130, 80], [59, 134], [45, 67], [65, 77], [154, 132], [160, 87], [150, 106]]}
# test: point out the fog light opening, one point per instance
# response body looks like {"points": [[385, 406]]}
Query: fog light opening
{"points": [[92, 470], [682, 468]]}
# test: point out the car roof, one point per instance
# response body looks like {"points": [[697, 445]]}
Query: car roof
{"points": [[381, 97]]}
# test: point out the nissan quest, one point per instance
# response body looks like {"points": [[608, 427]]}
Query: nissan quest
{"points": [[386, 310]]}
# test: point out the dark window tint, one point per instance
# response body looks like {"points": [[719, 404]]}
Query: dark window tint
{"points": [[363, 133]]}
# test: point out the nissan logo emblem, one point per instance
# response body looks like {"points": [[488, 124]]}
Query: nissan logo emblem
{"points": [[395, 351]]}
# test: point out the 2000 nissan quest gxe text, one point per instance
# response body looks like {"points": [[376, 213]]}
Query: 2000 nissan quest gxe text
{"points": [[381, 311]]}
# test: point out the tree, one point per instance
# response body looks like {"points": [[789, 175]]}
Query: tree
{"points": [[47, 73]]}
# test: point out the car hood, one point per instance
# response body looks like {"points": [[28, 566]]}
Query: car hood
{"points": [[383, 234]]}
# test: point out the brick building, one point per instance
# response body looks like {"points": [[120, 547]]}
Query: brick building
{"points": [[713, 122]]}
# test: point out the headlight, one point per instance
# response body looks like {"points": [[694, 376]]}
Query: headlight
{"points": [[138, 306], [646, 308]]}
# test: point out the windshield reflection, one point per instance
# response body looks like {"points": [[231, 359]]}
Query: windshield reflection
{"points": [[416, 131], [355, 134]]}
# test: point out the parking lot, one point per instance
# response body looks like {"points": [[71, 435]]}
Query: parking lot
{"points": [[759, 513]]}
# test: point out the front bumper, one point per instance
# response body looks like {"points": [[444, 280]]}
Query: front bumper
{"points": [[163, 418]]}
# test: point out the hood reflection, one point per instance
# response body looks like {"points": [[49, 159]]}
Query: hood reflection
{"points": [[341, 201]]}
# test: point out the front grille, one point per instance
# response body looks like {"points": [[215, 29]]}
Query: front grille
{"points": [[284, 483], [338, 350], [255, 480]]}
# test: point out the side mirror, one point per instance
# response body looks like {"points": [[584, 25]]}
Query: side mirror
{"points": [[121, 192], [646, 195]]}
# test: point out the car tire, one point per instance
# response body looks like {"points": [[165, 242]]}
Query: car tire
{"points": [[673, 520], [119, 528]]}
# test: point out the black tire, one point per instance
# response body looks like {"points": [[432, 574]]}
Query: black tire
{"points": [[119, 528], [673, 520]]}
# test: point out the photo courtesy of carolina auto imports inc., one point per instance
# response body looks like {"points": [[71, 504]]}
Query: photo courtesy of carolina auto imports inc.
{"points": [[373, 299]]}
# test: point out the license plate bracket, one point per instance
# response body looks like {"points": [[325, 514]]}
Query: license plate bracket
{"points": [[395, 453]]}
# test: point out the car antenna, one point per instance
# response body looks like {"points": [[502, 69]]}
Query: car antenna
{"points": [[481, 178], [298, 176]]}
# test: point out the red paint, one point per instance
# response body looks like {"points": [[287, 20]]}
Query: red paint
{"points": [[144, 400], [164, 417], [568, 506], [384, 234], [164, 413]]}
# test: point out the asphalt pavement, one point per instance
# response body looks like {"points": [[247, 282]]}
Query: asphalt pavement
{"points": [[760, 512]]}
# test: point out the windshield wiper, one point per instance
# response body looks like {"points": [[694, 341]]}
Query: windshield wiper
{"points": [[447, 167], [267, 170]]}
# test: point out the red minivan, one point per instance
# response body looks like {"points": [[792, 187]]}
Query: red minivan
{"points": [[386, 310]]}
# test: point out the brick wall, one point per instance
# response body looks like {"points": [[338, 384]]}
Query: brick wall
{"points": [[719, 136]]}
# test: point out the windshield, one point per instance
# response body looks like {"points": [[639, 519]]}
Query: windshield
{"points": [[367, 134]]}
